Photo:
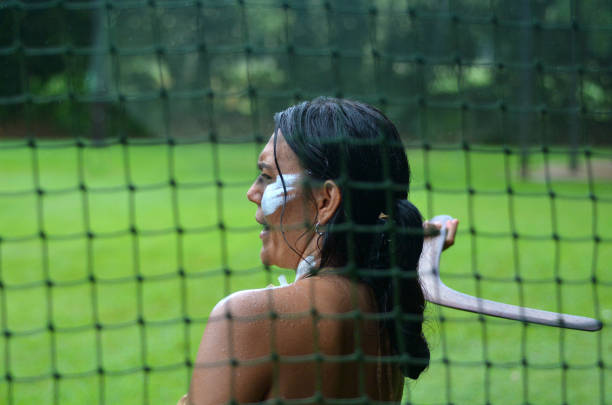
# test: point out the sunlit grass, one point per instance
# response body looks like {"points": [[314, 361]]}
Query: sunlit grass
{"points": [[160, 254]]}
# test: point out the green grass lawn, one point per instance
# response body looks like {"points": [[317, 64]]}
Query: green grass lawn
{"points": [[163, 277]]}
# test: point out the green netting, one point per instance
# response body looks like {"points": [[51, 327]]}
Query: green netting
{"points": [[129, 132]]}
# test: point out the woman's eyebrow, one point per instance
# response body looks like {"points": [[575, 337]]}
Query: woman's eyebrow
{"points": [[262, 165]]}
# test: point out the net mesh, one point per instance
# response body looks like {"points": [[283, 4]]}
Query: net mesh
{"points": [[129, 132]]}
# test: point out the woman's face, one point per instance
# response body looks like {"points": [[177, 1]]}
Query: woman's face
{"points": [[299, 212]]}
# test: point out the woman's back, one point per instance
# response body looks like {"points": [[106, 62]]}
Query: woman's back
{"points": [[316, 336], [339, 333]]}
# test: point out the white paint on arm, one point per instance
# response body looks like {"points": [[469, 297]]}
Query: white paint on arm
{"points": [[274, 195]]}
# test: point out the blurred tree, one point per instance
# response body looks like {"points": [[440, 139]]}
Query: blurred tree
{"points": [[450, 70]]}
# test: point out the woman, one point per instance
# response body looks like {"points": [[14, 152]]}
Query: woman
{"points": [[331, 197]]}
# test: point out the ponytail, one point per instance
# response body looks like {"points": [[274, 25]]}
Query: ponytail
{"points": [[400, 248]]}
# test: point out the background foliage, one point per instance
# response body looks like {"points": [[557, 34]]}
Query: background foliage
{"points": [[527, 72]]}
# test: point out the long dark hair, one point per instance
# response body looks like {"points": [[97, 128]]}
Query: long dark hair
{"points": [[376, 234]]}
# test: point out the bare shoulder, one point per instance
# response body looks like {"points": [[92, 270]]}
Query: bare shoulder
{"points": [[243, 304], [290, 314], [326, 293], [329, 294]]}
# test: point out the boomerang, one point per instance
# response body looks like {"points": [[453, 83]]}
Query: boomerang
{"points": [[439, 293]]}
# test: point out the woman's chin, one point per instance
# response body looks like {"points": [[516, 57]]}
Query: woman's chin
{"points": [[263, 256]]}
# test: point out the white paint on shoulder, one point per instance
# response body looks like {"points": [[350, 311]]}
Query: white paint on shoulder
{"points": [[282, 280], [273, 196], [305, 267]]}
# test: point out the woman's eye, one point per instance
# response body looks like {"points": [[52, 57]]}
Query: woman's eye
{"points": [[264, 177]]}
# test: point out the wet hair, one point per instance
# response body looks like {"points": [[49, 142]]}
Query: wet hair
{"points": [[376, 234]]}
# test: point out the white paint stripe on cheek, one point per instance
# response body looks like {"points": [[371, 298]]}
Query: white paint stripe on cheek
{"points": [[273, 196]]}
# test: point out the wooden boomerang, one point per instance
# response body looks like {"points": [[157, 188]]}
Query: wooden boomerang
{"points": [[437, 292]]}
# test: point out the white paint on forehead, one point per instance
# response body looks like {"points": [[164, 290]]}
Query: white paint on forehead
{"points": [[305, 267], [274, 196]]}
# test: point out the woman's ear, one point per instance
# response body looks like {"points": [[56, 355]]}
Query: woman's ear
{"points": [[328, 199]]}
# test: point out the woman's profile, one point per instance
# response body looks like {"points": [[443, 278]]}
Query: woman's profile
{"points": [[331, 197]]}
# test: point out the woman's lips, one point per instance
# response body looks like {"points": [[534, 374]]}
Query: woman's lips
{"points": [[265, 229]]}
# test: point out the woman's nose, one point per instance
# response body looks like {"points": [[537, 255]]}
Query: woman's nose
{"points": [[254, 194]]}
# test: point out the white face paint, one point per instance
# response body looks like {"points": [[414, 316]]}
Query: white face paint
{"points": [[273, 196], [304, 267]]}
